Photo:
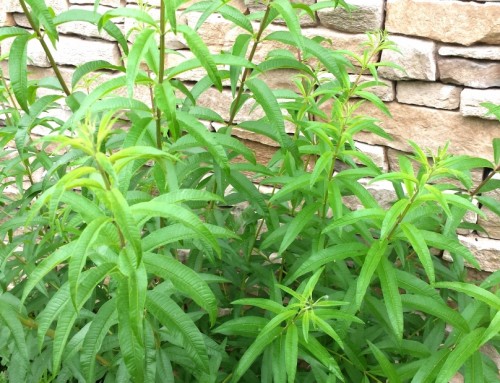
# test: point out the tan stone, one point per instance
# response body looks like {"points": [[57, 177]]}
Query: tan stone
{"points": [[417, 58], [485, 250], [471, 99], [75, 51], [382, 191], [35, 52], [448, 21], [376, 153], [480, 52], [74, 27], [431, 128], [15, 6], [367, 15], [6, 19], [110, 3], [475, 74], [431, 94]]}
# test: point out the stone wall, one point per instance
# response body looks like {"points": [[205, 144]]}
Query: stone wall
{"points": [[450, 50]]}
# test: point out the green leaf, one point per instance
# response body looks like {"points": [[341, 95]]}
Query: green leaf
{"points": [[179, 214], [318, 351], [129, 335], [44, 17], [185, 279], [79, 254], [372, 260], [435, 308], [18, 69], [496, 150], [236, 17], [392, 298], [473, 291], [46, 266], [7, 32], [417, 241], [467, 346], [294, 228], [204, 137], [247, 326], [264, 96], [135, 57], [269, 333], [355, 217], [9, 317], [133, 13], [451, 244], [395, 214], [291, 351], [384, 363], [166, 102], [285, 9], [174, 319], [200, 50], [323, 257], [262, 303], [491, 203], [99, 327]]}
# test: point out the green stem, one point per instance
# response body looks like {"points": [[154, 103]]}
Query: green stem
{"points": [[248, 71], [45, 47], [485, 181], [161, 71]]}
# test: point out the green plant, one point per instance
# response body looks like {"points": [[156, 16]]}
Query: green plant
{"points": [[146, 252]]}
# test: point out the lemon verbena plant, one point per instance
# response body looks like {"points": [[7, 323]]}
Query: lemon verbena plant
{"points": [[140, 246]]}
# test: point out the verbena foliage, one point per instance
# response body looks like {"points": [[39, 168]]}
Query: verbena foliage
{"points": [[146, 253]]}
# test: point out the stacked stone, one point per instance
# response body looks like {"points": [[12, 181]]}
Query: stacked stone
{"points": [[450, 50]]}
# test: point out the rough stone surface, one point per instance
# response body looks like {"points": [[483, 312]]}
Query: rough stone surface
{"points": [[475, 74], [431, 94], [111, 3], [431, 128], [448, 21], [417, 58], [382, 191], [75, 51], [367, 15], [35, 53], [57, 5], [480, 52], [470, 101], [485, 250], [6, 19], [376, 153], [75, 27]]}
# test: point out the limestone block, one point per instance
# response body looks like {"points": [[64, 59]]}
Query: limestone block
{"points": [[74, 27], [76, 51], [431, 128], [475, 74], [367, 15], [448, 21], [382, 191], [431, 94], [36, 55], [6, 19], [417, 58], [480, 52], [57, 5], [305, 20], [485, 250], [376, 154], [110, 3], [470, 100]]}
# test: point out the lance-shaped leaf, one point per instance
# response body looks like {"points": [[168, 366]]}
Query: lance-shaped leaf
{"points": [[18, 69], [372, 260]]}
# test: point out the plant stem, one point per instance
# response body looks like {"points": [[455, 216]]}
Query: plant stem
{"points": [[46, 49], [485, 181], [247, 71], [161, 71]]}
